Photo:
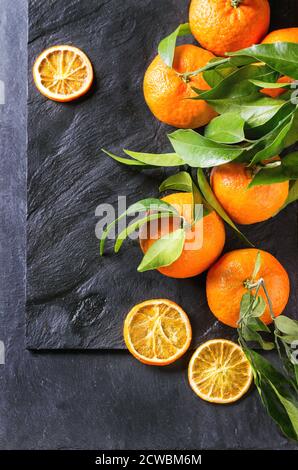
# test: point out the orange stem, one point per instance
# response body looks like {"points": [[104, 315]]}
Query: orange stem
{"points": [[235, 3]]}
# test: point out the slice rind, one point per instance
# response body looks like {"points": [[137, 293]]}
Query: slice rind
{"points": [[157, 332], [63, 73], [219, 372]]}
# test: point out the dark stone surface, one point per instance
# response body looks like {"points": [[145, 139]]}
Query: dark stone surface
{"points": [[96, 400], [75, 298]]}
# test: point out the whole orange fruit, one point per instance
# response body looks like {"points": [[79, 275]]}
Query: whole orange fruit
{"points": [[229, 25], [204, 240], [225, 284], [166, 91], [246, 206], [280, 35]]}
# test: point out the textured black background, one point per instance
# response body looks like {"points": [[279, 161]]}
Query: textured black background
{"points": [[75, 298], [90, 399]]}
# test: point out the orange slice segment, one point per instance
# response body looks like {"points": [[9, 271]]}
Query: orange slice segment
{"points": [[219, 371], [157, 332], [63, 73]]}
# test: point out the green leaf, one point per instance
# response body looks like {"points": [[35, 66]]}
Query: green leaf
{"points": [[275, 408], [269, 176], [276, 85], [259, 111], [136, 225], [290, 165], [291, 407], [280, 56], [166, 47], [211, 199], [250, 334], [200, 152], [237, 84], [258, 324], [293, 194], [238, 95], [245, 304], [292, 136], [259, 308], [147, 160], [124, 161], [163, 159], [227, 128], [273, 144], [296, 373], [140, 206], [164, 251], [289, 339], [255, 110], [215, 76], [250, 325], [286, 170], [199, 210], [280, 114], [241, 61], [286, 325], [212, 64], [181, 181], [257, 266], [276, 393]]}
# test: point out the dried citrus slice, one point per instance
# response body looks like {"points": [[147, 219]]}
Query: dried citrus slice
{"points": [[157, 332], [63, 73], [219, 371]]}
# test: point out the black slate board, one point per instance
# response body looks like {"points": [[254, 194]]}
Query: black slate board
{"points": [[75, 299]]}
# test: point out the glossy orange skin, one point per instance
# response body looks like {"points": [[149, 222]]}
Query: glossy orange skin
{"points": [[225, 286], [221, 28], [166, 93], [203, 253], [280, 35], [246, 206]]}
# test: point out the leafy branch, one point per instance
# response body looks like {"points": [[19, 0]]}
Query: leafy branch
{"points": [[278, 391], [168, 248], [251, 127]]}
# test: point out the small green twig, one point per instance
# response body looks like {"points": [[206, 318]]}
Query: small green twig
{"points": [[187, 75], [257, 285]]}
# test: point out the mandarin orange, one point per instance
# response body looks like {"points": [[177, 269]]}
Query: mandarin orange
{"points": [[229, 25], [226, 284], [204, 240], [166, 91], [246, 205], [280, 35]]}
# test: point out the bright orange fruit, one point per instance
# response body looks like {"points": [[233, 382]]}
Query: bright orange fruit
{"points": [[204, 244], [166, 92], [229, 25], [226, 278], [157, 332], [63, 73], [246, 206], [280, 35]]}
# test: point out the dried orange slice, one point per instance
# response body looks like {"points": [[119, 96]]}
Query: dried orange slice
{"points": [[63, 73], [219, 371], [157, 332]]}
